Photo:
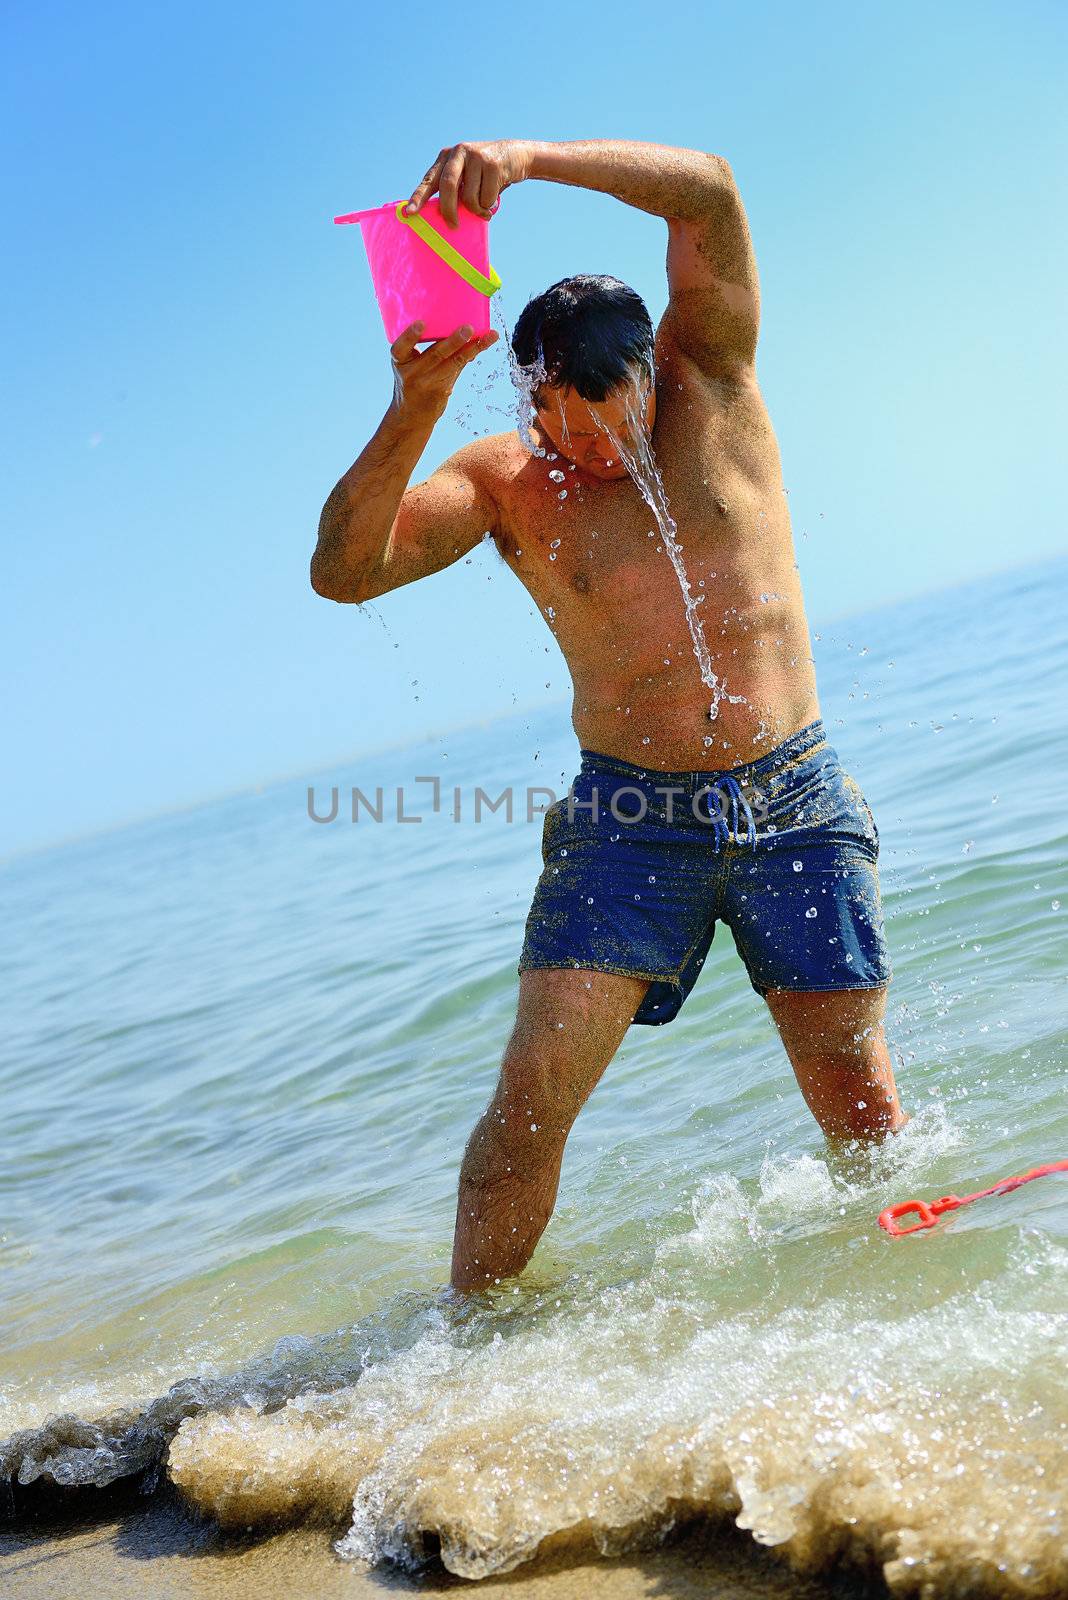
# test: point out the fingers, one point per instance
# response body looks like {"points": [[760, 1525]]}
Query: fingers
{"points": [[474, 177], [445, 349], [459, 347], [461, 174], [403, 346], [475, 347], [449, 185], [428, 379], [422, 192], [490, 188]]}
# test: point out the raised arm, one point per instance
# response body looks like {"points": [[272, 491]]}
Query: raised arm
{"points": [[376, 533], [713, 314]]}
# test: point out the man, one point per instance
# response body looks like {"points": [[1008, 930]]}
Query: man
{"points": [[708, 789]]}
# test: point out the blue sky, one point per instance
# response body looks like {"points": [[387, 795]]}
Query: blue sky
{"points": [[193, 354]]}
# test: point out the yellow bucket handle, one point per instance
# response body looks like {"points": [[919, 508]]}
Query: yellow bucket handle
{"points": [[451, 256]]}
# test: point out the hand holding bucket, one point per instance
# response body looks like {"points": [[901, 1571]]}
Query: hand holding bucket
{"points": [[423, 379], [425, 270]]}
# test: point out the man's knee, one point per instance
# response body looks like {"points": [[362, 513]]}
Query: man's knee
{"points": [[850, 1091], [536, 1095], [844, 1064], [514, 1142]]}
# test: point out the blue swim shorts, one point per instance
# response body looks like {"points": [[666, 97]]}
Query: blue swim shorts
{"points": [[640, 865]]}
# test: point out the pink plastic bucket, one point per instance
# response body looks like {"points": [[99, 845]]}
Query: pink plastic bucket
{"points": [[423, 268]]}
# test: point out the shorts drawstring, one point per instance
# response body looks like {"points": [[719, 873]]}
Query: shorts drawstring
{"points": [[750, 821], [719, 822]]}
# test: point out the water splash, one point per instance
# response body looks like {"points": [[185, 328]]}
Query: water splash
{"points": [[636, 454], [525, 381], [634, 449]]}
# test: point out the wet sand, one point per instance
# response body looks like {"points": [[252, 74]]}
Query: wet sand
{"points": [[154, 1550]]}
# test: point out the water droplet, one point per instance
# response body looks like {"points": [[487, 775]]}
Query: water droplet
{"points": [[811, 912], [555, 545], [798, 866], [1055, 905], [556, 475]]}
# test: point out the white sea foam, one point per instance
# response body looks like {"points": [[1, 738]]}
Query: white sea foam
{"points": [[877, 1438]]}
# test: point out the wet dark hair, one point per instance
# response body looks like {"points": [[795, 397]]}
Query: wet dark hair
{"points": [[589, 332]]}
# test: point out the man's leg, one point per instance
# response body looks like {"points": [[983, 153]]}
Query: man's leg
{"points": [[837, 1048], [568, 1026]]}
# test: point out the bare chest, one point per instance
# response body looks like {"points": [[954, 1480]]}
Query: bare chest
{"points": [[596, 558]]}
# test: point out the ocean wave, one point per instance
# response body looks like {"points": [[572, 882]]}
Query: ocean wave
{"points": [[904, 1410], [931, 1444]]}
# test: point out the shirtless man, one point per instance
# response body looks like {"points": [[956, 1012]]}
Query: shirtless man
{"points": [[696, 801]]}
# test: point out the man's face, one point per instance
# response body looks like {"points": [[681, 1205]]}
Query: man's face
{"points": [[585, 431]]}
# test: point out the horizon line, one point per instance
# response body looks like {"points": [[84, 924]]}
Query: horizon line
{"points": [[261, 785]]}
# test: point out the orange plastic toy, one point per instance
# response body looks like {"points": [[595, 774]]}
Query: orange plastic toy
{"points": [[929, 1214]]}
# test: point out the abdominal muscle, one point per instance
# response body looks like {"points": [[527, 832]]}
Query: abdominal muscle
{"points": [[607, 589], [659, 717], [616, 611]]}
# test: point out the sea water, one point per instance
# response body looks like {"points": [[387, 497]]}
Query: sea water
{"points": [[243, 1054]]}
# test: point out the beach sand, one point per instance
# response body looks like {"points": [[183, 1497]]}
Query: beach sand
{"points": [[153, 1549]]}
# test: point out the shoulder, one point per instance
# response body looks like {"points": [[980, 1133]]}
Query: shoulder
{"points": [[491, 463], [484, 472]]}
